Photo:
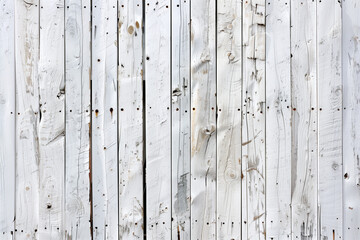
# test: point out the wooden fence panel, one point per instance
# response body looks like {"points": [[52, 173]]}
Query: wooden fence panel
{"points": [[330, 119], [203, 119], [7, 118], [180, 119], [253, 120], [104, 141], [278, 120], [351, 118], [228, 142], [158, 118], [77, 117], [304, 159], [51, 120], [131, 117], [27, 119]]}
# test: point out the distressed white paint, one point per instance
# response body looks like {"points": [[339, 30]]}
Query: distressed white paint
{"points": [[253, 120], [278, 120], [228, 143], [27, 119], [351, 117], [180, 133], [130, 102], [203, 119], [51, 129], [7, 118], [77, 112], [304, 159], [104, 162], [158, 118], [67, 187], [330, 119]]}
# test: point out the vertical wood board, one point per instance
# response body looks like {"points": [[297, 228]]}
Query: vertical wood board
{"points": [[158, 118], [77, 117], [130, 120], [278, 120], [228, 142], [180, 116]]}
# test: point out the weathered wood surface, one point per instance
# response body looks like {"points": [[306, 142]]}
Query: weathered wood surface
{"points": [[27, 119], [228, 143], [253, 120], [51, 128], [158, 118], [351, 117], [104, 141], [203, 119], [278, 120], [329, 66], [131, 120], [7, 118], [304, 120], [181, 119], [77, 113]]}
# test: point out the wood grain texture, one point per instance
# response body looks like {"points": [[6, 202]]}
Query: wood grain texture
{"points": [[131, 120], [27, 119], [158, 118], [77, 113], [104, 169], [180, 115], [51, 120], [228, 143], [203, 119], [278, 120], [253, 120], [351, 117], [304, 106], [7, 118], [330, 119]]}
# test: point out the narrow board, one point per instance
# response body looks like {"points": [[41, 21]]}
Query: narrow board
{"points": [[7, 118], [27, 119], [77, 116], [104, 162], [51, 120], [253, 120], [228, 141], [203, 119], [304, 163], [158, 118], [130, 125], [330, 119], [351, 117], [180, 135], [278, 120]]}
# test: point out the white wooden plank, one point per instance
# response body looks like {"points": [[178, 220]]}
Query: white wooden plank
{"points": [[27, 120], [180, 136], [330, 119], [7, 118], [130, 102], [278, 120], [158, 119], [104, 169], [304, 119], [203, 119], [77, 111], [51, 125], [229, 83], [351, 117], [253, 122]]}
